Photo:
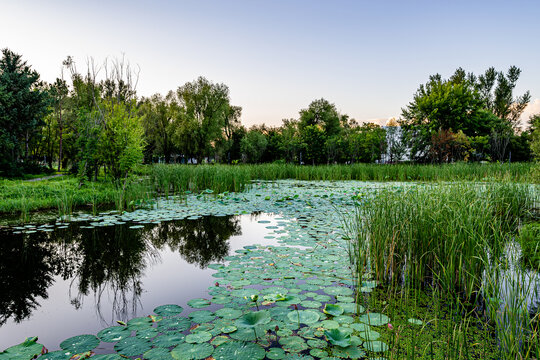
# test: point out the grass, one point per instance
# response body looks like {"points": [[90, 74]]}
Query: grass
{"points": [[453, 240]]}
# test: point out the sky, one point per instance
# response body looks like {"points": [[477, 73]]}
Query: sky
{"points": [[276, 56]]}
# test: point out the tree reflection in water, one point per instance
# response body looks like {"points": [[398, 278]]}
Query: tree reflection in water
{"points": [[101, 261]]}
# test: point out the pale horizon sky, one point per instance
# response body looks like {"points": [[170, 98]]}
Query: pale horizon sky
{"points": [[366, 57]]}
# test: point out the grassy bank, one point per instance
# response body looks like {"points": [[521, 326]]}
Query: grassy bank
{"points": [[453, 240], [67, 193]]}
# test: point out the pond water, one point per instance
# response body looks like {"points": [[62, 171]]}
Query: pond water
{"points": [[79, 280]]}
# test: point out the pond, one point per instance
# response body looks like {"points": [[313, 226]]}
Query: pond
{"points": [[79, 280]]}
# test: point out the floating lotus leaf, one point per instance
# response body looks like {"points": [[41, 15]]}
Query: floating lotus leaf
{"points": [[79, 344], [375, 319], [288, 300], [106, 357], [114, 334], [192, 351], [176, 323], [198, 303], [202, 316], [322, 298], [132, 346], [168, 310], [330, 324], [229, 313], [352, 352], [311, 304], [54, 355], [198, 337], [293, 344], [344, 319], [218, 340], [139, 323], [252, 319], [297, 357], [304, 316], [275, 353], [168, 340], [334, 310], [345, 299], [28, 349], [158, 354], [361, 327], [338, 337], [318, 353], [351, 308], [246, 334], [228, 329], [317, 343], [375, 346], [370, 335], [415, 321], [236, 350], [338, 290], [147, 333]]}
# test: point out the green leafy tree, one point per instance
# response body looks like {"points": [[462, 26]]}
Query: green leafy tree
{"points": [[254, 144], [313, 140], [206, 108], [23, 104], [535, 135]]}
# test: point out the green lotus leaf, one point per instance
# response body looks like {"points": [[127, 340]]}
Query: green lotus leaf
{"points": [[375, 346], [218, 340], [318, 353], [370, 335], [228, 329], [198, 337], [202, 316], [168, 340], [311, 304], [229, 313], [329, 324], [361, 327], [338, 337], [147, 333], [192, 351], [79, 344], [114, 334], [304, 316], [246, 334], [28, 349], [158, 354], [54, 355], [344, 319], [106, 357], [374, 319], [176, 323], [252, 319], [168, 310], [139, 323], [236, 350], [415, 321], [334, 310], [198, 303], [275, 353], [352, 352], [317, 343], [132, 346], [352, 308], [338, 290], [297, 357], [293, 344]]}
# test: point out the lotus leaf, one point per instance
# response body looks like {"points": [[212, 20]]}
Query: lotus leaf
{"points": [[293, 344], [114, 334], [80, 344], [169, 339], [202, 316], [415, 321], [107, 357], [139, 323], [252, 319], [147, 333], [198, 303], [375, 346], [330, 324], [192, 351], [28, 349], [55, 355], [275, 353], [334, 310], [375, 319], [218, 340], [236, 350], [158, 354], [198, 337], [318, 353], [176, 323], [168, 310], [353, 352], [304, 316], [132, 346], [228, 313], [338, 337]]}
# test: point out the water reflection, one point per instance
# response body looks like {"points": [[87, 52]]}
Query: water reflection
{"points": [[108, 262]]}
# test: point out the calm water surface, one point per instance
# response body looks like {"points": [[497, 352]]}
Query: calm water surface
{"points": [[77, 280]]}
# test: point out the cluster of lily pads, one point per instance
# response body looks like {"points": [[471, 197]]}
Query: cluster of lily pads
{"points": [[292, 301]]}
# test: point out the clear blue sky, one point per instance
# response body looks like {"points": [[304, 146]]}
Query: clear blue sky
{"points": [[367, 57]]}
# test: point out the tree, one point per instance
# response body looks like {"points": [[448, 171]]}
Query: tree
{"points": [[254, 144], [206, 110], [323, 114], [534, 121], [23, 104]]}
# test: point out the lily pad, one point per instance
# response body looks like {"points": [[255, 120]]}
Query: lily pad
{"points": [[198, 303], [334, 310], [375, 346], [139, 323], [158, 354], [169, 339], [79, 344], [304, 316], [275, 353], [28, 349], [338, 337], [192, 351], [132, 346], [169, 310], [375, 319], [252, 319], [237, 350], [198, 337], [228, 313], [114, 334]]}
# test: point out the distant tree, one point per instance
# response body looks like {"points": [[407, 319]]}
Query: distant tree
{"points": [[313, 140], [323, 114], [534, 121], [23, 104], [254, 144], [396, 147], [206, 110]]}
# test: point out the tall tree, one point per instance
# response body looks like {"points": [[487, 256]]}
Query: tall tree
{"points": [[23, 104]]}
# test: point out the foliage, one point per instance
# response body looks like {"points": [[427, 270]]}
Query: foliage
{"points": [[530, 247]]}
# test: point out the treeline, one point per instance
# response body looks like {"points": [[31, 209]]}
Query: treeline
{"points": [[93, 121]]}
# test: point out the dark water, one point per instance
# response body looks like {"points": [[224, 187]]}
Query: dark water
{"points": [[77, 281]]}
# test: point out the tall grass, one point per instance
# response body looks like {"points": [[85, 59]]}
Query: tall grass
{"points": [[454, 239]]}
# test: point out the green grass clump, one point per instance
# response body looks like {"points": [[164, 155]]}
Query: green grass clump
{"points": [[529, 239]]}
